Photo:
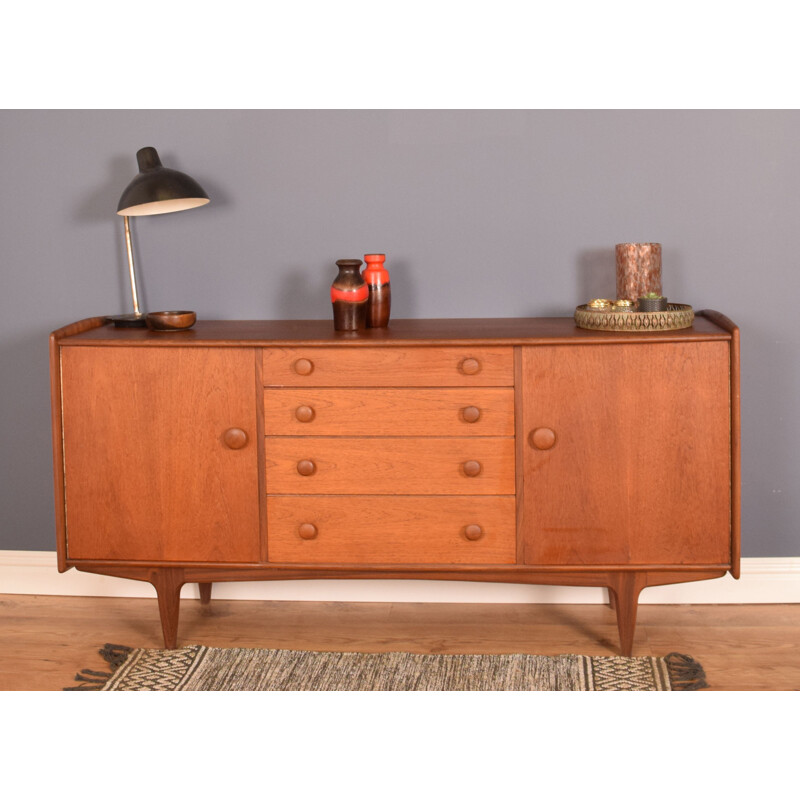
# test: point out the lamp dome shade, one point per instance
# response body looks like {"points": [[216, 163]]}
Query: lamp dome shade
{"points": [[159, 190]]}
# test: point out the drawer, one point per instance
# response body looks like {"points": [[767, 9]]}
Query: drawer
{"points": [[436, 465], [388, 366], [391, 530], [389, 412]]}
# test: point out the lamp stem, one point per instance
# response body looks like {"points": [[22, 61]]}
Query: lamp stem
{"points": [[129, 246]]}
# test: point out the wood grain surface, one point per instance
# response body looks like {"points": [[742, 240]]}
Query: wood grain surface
{"points": [[728, 325], [45, 641], [393, 530], [400, 333], [148, 475], [389, 466], [176, 466], [56, 428], [389, 412], [640, 471], [380, 366]]}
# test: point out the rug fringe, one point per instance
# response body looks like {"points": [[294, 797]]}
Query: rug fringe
{"points": [[115, 654], [92, 680], [685, 674]]}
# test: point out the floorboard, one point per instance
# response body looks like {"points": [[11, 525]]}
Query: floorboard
{"points": [[44, 641]]}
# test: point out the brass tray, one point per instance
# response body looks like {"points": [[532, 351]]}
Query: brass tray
{"points": [[676, 316]]}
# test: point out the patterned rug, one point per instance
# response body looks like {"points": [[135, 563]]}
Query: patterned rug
{"points": [[209, 669]]}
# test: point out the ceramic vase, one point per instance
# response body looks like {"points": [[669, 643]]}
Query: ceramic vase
{"points": [[380, 291], [349, 296]]}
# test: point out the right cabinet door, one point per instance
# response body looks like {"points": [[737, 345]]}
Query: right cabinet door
{"points": [[626, 454]]}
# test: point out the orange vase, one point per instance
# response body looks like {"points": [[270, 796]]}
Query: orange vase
{"points": [[380, 292], [349, 296]]}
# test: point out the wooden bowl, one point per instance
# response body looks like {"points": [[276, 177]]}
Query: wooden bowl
{"points": [[170, 320]]}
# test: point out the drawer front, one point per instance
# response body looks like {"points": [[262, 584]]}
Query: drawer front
{"points": [[388, 366], [389, 412], [391, 530], [389, 466]]}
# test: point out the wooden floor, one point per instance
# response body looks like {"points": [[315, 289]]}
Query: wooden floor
{"points": [[44, 641]]}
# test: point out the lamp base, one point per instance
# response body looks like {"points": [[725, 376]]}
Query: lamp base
{"points": [[128, 321]]}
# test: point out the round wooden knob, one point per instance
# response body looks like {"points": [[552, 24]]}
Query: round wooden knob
{"points": [[235, 438], [303, 366], [304, 413], [470, 366], [473, 532], [306, 467], [471, 414], [542, 438], [472, 468], [308, 530]]}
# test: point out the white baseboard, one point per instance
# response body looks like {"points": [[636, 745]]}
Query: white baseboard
{"points": [[764, 580]]}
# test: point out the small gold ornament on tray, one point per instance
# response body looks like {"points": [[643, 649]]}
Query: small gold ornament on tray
{"points": [[600, 304], [618, 317]]}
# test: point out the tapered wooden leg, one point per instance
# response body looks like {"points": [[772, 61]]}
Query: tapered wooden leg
{"points": [[168, 583], [625, 592], [205, 593], [612, 600]]}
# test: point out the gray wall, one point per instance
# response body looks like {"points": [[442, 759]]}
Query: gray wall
{"points": [[481, 213]]}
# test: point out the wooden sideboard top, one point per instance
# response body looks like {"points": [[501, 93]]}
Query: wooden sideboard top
{"points": [[406, 332]]}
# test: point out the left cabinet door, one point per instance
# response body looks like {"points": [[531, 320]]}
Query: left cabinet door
{"points": [[160, 454]]}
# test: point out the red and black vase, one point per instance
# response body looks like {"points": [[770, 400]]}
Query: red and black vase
{"points": [[349, 295], [380, 292]]}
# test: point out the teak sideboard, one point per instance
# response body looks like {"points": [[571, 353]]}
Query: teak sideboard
{"points": [[509, 450]]}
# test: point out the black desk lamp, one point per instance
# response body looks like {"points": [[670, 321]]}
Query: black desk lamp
{"points": [[155, 190]]}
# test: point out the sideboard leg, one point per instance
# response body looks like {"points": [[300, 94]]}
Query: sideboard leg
{"points": [[168, 583], [612, 600], [625, 593], [205, 593]]}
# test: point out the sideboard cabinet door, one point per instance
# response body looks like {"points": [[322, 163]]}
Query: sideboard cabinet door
{"points": [[160, 453], [627, 454]]}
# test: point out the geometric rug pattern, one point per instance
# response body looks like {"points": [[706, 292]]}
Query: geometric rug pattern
{"points": [[200, 668]]}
